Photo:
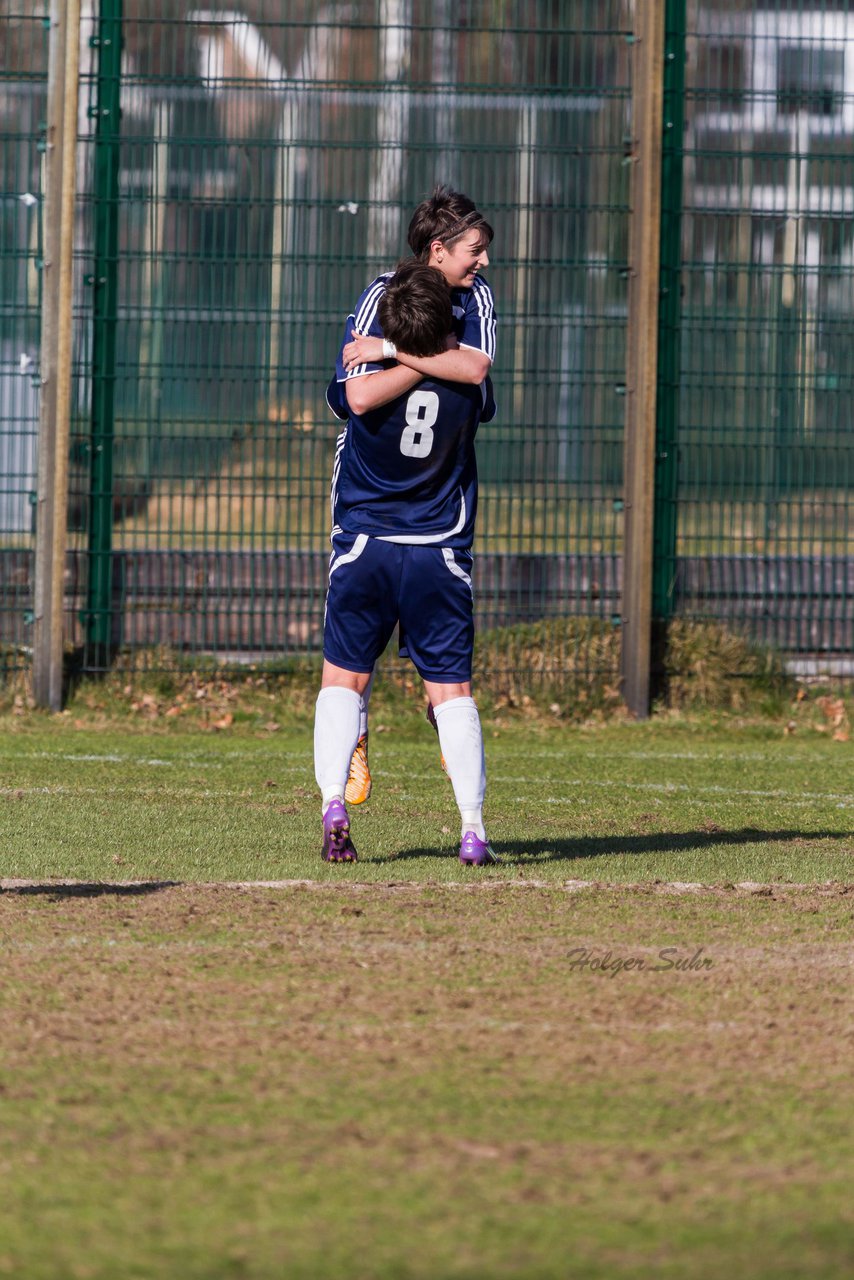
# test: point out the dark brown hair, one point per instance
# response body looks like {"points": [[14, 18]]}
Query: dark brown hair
{"points": [[446, 216], [415, 309]]}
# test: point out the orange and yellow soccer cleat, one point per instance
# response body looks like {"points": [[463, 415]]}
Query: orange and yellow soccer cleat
{"points": [[359, 780]]}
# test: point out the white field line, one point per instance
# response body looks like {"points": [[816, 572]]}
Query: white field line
{"points": [[204, 760], [280, 767], [833, 887], [392, 774], [671, 787], [185, 762], [200, 760], [843, 799], [142, 792], [134, 793], [145, 792]]}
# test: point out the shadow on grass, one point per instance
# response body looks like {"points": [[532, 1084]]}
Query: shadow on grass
{"points": [[97, 889], [521, 852]]}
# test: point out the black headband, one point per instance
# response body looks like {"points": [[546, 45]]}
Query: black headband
{"points": [[469, 222]]}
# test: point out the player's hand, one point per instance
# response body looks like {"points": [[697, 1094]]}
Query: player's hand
{"points": [[362, 350], [451, 343]]}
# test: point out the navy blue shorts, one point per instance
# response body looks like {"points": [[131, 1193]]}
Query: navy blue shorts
{"points": [[374, 586]]}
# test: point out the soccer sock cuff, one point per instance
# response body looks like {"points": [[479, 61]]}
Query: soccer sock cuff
{"points": [[336, 732], [461, 740]]}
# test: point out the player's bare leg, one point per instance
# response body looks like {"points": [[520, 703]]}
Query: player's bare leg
{"points": [[431, 720], [359, 782]]}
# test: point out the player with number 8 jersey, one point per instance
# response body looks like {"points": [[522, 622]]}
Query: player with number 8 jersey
{"points": [[412, 386]]}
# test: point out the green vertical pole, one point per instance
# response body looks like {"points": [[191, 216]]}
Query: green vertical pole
{"points": [[104, 281], [669, 313]]}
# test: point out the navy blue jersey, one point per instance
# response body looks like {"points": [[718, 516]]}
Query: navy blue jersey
{"points": [[406, 472]]}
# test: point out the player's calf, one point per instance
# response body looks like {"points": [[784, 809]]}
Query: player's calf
{"points": [[431, 719]]}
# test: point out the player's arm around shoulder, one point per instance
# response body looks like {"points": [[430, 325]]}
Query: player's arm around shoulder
{"points": [[470, 358], [457, 364], [367, 393]]}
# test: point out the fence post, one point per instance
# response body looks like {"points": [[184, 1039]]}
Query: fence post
{"points": [[642, 353], [670, 313], [104, 281], [55, 355]]}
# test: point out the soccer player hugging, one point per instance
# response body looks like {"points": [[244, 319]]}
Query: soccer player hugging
{"points": [[412, 386]]}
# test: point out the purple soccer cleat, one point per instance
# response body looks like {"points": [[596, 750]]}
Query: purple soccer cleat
{"points": [[475, 852], [337, 845]]}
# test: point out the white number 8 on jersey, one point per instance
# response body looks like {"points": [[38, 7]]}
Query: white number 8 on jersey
{"points": [[422, 410]]}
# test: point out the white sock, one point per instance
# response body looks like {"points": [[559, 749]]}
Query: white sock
{"points": [[461, 740], [336, 732]]}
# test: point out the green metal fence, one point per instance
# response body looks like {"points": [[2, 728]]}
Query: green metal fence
{"points": [[23, 59], [244, 171], [754, 506]]}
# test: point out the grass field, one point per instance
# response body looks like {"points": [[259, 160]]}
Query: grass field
{"points": [[678, 800], [625, 1052]]}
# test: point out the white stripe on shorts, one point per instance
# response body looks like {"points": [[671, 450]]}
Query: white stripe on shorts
{"points": [[353, 554], [448, 557]]}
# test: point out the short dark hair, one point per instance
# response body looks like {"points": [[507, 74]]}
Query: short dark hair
{"points": [[415, 309], [446, 215]]}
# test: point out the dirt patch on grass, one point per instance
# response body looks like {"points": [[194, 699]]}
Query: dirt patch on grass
{"points": [[484, 1060], [507, 957]]}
